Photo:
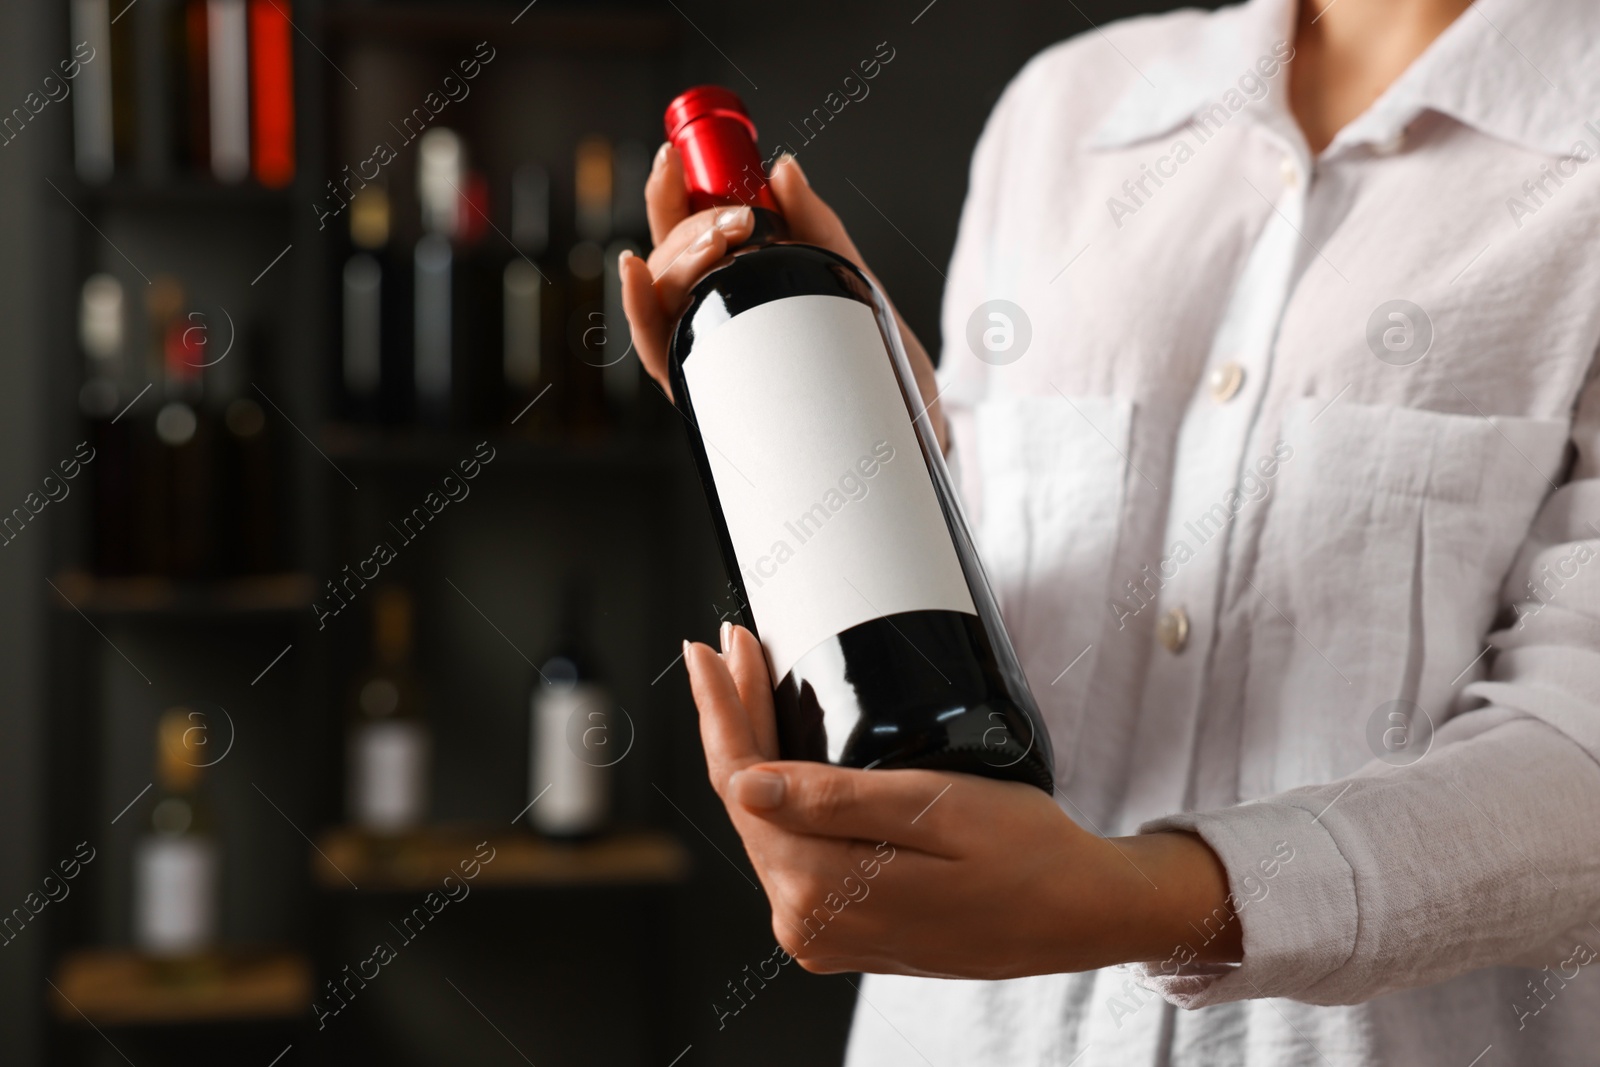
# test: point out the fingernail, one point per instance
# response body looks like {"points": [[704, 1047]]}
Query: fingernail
{"points": [[758, 789], [727, 637], [788, 159], [732, 218], [704, 239], [661, 155], [685, 648], [627, 254]]}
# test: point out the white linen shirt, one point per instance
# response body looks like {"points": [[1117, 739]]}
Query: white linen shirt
{"points": [[1286, 470]]}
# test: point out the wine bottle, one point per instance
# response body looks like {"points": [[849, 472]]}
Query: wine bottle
{"points": [[272, 91], [242, 475], [389, 746], [836, 515], [524, 301], [440, 173], [92, 136], [175, 865], [573, 737], [185, 432], [228, 68], [102, 333], [584, 382]]}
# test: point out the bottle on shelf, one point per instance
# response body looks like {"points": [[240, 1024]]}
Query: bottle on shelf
{"points": [[835, 512], [185, 434], [441, 170], [272, 91], [623, 375], [367, 288], [176, 863], [525, 301], [102, 333], [228, 79], [243, 480], [574, 738], [92, 136], [389, 748], [587, 342]]}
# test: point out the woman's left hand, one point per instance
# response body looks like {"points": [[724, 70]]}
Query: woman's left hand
{"points": [[936, 873]]}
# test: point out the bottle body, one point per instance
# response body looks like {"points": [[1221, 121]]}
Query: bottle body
{"points": [[176, 864], [569, 782], [389, 745], [840, 526]]}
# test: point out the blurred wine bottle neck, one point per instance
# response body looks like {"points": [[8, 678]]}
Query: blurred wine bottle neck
{"points": [[716, 140], [177, 761], [392, 628]]}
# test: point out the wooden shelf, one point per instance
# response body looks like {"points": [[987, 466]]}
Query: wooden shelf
{"points": [[263, 594], [419, 861], [597, 28], [121, 987], [377, 446]]}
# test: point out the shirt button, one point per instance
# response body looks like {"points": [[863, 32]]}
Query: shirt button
{"points": [[1172, 630], [1289, 172], [1225, 381]]}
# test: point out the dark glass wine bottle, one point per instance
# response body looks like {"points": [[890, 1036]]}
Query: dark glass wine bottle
{"points": [[837, 518]]}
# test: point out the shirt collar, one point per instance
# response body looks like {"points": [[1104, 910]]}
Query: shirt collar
{"points": [[1522, 71]]}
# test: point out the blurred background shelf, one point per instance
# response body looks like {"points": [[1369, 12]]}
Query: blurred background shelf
{"points": [[138, 595], [120, 987], [604, 28], [409, 447], [176, 191], [419, 862]]}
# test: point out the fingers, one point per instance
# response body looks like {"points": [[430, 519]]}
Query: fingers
{"points": [[748, 665], [647, 323], [810, 219], [666, 198], [725, 728], [654, 294], [910, 808]]}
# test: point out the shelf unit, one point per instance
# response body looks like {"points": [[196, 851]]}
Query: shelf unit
{"points": [[122, 648]]}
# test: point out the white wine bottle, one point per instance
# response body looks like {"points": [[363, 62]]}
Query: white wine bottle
{"points": [[389, 744], [574, 740], [176, 863]]}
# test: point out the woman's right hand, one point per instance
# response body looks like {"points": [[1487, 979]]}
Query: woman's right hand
{"points": [[656, 291]]}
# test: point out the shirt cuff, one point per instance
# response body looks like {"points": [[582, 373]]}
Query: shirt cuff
{"points": [[1290, 888]]}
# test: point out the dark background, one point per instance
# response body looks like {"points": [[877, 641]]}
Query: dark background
{"points": [[555, 976]]}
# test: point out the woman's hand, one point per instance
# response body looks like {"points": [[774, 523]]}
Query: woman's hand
{"points": [[655, 292], [935, 873]]}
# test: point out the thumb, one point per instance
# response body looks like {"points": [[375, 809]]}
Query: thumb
{"points": [[810, 219]]}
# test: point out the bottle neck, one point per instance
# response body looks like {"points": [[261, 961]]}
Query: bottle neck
{"points": [[770, 228]]}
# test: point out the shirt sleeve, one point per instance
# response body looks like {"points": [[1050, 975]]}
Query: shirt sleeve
{"points": [[1484, 852]]}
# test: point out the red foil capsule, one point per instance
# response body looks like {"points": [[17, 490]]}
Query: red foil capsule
{"points": [[717, 142]]}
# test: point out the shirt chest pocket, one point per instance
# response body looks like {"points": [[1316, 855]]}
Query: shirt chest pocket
{"points": [[1052, 474], [1377, 577]]}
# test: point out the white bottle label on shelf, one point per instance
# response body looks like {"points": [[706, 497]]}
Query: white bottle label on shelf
{"points": [[828, 500], [389, 776], [575, 740], [228, 66], [175, 894]]}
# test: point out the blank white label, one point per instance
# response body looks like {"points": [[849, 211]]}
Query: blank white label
{"points": [[828, 500], [572, 752], [389, 776], [175, 894]]}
